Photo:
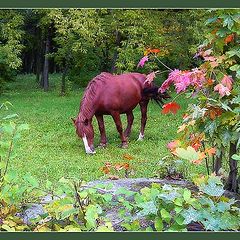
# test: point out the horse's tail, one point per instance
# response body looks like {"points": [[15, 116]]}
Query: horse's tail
{"points": [[153, 94]]}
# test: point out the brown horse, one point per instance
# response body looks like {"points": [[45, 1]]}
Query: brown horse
{"points": [[113, 95]]}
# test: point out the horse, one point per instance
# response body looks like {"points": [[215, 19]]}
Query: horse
{"points": [[108, 94]]}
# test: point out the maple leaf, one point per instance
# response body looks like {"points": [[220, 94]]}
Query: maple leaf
{"points": [[229, 38], [155, 50], [210, 151], [172, 107], [227, 82], [150, 77], [173, 144], [201, 156], [222, 90], [214, 112], [142, 61]]}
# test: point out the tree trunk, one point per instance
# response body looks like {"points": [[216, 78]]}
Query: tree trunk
{"points": [[218, 163], [45, 79], [63, 87], [39, 56], [232, 181], [115, 56]]}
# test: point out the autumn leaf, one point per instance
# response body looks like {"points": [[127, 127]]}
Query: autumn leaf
{"points": [[113, 177], [229, 38], [128, 157], [142, 61], [201, 156], [171, 107], [126, 166], [214, 112], [155, 50], [150, 78], [210, 151], [209, 82], [108, 164], [118, 167], [105, 170], [181, 128]]}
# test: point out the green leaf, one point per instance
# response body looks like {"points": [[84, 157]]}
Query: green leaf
{"points": [[236, 157], [67, 213], [228, 21], [211, 20], [186, 195], [234, 52], [92, 212], [30, 179], [107, 197], [158, 224], [165, 215], [187, 154]]}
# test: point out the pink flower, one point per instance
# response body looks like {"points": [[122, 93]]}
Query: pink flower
{"points": [[227, 82], [222, 90], [142, 61]]}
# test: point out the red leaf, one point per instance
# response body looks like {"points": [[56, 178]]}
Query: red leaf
{"points": [[229, 38], [171, 107], [155, 50]]}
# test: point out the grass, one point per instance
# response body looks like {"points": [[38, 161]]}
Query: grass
{"points": [[51, 149]]}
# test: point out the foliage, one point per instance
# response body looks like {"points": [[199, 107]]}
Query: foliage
{"points": [[11, 46], [175, 209], [213, 121]]}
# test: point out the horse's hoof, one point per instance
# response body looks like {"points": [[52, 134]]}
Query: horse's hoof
{"points": [[140, 137], [124, 145], [90, 152], [102, 145]]}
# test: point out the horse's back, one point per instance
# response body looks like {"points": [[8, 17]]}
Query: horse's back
{"points": [[119, 92]]}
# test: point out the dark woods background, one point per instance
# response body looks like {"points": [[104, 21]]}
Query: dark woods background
{"points": [[80, 43]]}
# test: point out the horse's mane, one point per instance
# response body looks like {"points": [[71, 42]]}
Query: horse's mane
{"points": [[90, 94]]}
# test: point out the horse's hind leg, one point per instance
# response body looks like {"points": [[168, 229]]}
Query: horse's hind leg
{"points": [[103, 138], [117, 120], [130, 119], [143, 107]]}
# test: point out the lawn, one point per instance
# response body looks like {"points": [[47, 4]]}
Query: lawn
{"points": [[51, 148]]}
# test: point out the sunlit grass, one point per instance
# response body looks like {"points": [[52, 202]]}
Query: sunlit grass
{"points": [[51, 149]]}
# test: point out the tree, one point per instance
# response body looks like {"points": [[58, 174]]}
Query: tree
{"points": [[11, 23]]}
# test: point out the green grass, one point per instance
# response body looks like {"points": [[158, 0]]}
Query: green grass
{"points": [[51, 149]]}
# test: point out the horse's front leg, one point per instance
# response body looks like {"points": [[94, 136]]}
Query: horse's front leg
{"points": [[143, 107], [130, 119], [118, 122], [103, 138]]}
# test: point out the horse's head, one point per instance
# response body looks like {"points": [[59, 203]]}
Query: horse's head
{"points": [[84, 130], [154, 94]]}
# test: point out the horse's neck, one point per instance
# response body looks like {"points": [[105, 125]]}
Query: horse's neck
{"points": [[87, 112]]}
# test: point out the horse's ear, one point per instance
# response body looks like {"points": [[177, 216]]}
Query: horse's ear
{"points": [[74, 120]]}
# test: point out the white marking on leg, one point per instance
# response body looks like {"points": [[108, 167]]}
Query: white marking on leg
{"points": [[140, 137], [87, 148]]}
